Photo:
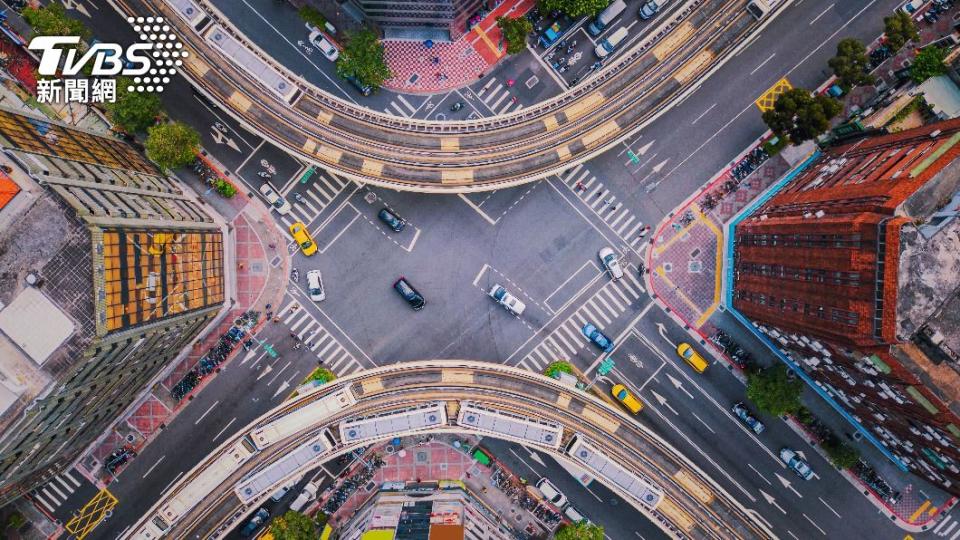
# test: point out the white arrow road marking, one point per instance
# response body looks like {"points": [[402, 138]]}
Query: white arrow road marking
{"points": [[679, 386], [786, 483], [643, 149], [221, 138], [535, 456], [663, 333], [263, 373], [802, 455], [659, 166], [773, 502], [281, 388], [663, 401]]}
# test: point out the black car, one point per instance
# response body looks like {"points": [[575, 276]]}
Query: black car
{"points": [[414, 298], [364, 89], [392, 220]]}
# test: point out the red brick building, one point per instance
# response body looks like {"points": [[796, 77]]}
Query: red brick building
{"points": [[821, 266]]}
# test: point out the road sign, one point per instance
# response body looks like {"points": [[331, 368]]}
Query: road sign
{"points": [[269, 348], [633, 157], [606, 366], [306, 176]]}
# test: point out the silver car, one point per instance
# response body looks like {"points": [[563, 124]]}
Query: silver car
{"points": [[315, 286], [507, 300], [611, 263]]}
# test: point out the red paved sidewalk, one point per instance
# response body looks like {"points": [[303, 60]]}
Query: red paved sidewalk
{"points": [[446, 66]]}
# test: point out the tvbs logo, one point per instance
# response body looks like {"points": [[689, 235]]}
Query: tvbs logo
{"points": [[151, 61]]}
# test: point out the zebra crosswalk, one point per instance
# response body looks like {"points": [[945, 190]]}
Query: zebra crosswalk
{"points": [[496, 95], [945, 527], [605, 306], [326, 347], [604, 204], [401, 107], [317, 195], [55, 492]]}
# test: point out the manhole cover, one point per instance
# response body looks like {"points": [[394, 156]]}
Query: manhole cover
{"points": [[413, 78], [668, 267], [256, 267], [695, 253], [695, 267], [422, 457], [370, 197], [275, 262]]}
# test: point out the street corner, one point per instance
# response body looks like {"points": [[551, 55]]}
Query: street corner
{"points": [[767, 100]]}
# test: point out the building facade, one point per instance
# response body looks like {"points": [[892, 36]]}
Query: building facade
{"points": [[417, 19], [109, 270], [841, 271]]}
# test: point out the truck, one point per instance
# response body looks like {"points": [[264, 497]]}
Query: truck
{"points": [[307, 494]]}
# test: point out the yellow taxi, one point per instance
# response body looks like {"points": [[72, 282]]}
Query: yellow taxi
{"points": [[302, 236], [692, 357], [624, 396]]}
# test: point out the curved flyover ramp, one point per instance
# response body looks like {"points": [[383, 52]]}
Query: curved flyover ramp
{"points": [[448, 396], [694, 39]]}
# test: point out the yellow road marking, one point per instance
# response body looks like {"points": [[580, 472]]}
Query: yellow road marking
{"points": [[766, 100], [486, 39], [920, 510], [91, 514]]}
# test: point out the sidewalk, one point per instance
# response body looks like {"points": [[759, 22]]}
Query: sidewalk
{"points": [[446, 66], [686, 267], [259, 274]]}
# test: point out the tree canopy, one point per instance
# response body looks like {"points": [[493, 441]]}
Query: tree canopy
{"points": [[841, 454], [580, 531], [133, 111], [363, 58], [851, 64], [928, 63], [773, 392], [800, 115], [515, 31], [293, 526], [172, 145], [52, 20], [899, 29], [573, 8]]}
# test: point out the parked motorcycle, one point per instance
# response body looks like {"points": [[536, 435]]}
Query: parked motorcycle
{"points": [[295, 275]]}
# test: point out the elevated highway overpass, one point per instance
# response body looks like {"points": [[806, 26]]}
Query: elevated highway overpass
{"points": [[462, 156], [448, 396]]}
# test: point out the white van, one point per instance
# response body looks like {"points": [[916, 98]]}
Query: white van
{"points": [[608, 45], [573, 514], [606, 17], [308, 494]]}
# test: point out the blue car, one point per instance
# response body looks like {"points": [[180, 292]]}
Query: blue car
{"points": [[597, 337]]}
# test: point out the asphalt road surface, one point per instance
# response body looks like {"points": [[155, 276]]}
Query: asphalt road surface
{"points": [[540, 241]]}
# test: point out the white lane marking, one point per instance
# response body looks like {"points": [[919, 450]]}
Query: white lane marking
{"points": [[769, 58], [759, 474], [175, 478], [829, 507], [704, 113], [154, 466], [815, 525], [822, 13], [477, 209], [219, 433], [202, 416]]}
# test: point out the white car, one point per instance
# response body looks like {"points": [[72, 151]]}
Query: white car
{"points": [[611, 263], [552, 494], [315, 286], [276, 201], [324, 45], [308, 494], [574, 515], [795, 463], [507, 300]]}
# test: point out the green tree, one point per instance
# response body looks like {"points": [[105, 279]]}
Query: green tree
{"points": [[363, 58], [515, 31], [573, 8], [52, 20], [928, 63], [841, 454], [800, 115], [133, 111], [560, 365], [899, 29], [293, 526], [172, 145], [851, 64], [580, 531], [226, 188], [773, 392], [313, 17]]}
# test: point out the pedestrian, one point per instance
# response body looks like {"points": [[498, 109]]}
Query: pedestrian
{"points": [[268, 306], [294, 336], [480, 76], [580, 187], [272, 245], [468, 475], [644, 231], [297, 346], [309, 344], [276, 319], [483, 489], [514, 99], [614, 209], [240, 265], [510, 83], [608, 202], [269, 315]]}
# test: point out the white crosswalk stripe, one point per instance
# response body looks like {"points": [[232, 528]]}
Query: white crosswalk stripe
{"points": [[600, 200], [318, 340], [56, 491], [606, 305], [943, 522], [498, 97], [323, 188]]}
